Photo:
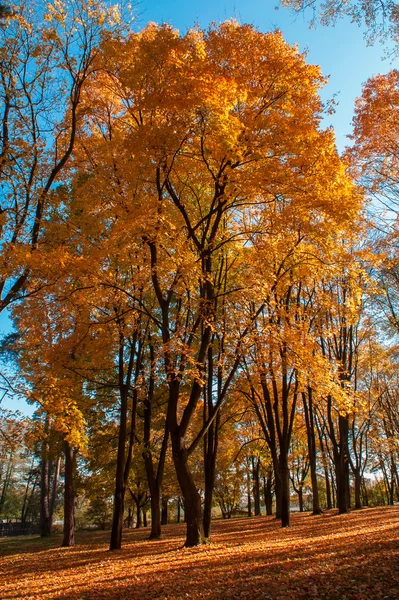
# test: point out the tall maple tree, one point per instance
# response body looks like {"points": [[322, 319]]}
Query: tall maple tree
{"points": [[186, 143]]}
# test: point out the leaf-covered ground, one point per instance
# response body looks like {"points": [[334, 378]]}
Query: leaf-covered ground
{"points": [[350, 557]]}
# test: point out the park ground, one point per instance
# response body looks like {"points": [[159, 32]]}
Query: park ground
{"points": [[331, 557]]}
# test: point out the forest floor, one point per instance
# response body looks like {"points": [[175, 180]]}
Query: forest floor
{"points": [[329, 557]]}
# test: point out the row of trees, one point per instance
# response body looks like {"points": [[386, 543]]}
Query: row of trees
{"points": [[185, 253]]}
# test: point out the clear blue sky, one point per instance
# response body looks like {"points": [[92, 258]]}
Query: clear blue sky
{"points": [[341, 51]]}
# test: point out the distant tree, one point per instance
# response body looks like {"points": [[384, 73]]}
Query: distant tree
{"points": [[379, 17]]}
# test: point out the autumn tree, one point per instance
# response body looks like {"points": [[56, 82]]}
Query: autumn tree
{"points": [[379, 17], [46, 59], [204, 142]]}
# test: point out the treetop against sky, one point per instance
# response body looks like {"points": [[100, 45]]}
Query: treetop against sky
{"points": [[341, 50]]}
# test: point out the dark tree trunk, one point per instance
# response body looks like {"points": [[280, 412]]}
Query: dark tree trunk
{"points": [[45, 522], [278, 492], [211, 441], [333, 489], [249, 499], [145, 518], [210, 453], [364, 493], [310, 431], [358, 490], [329, 501], [342, 466], [69, 498], [192, 499], [139, 516], [329, 498], [124, 458], [31, 484], [119, 494], [178, 509], [300, 498], [164, 513], [268, 493], [54, 488], [154, 475], [256, 485], [129, 518], [285, 489]]}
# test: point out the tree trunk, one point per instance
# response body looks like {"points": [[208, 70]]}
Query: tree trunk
{"points": [[69, 498], [129, 518], [139, 516], [249, 492], [342, 466], [164, 512], [192, 499], [210, 453], [178, 509], [358, 490], [310, 432], [119, 494], [256, 485], [300, 498], [44, 523], [211, 440], [54, 488], [278, 492], [285, 489], [268, 494]]}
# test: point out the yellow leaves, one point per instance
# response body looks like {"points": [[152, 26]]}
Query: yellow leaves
{"points": [[59, 400], [56, 12]]}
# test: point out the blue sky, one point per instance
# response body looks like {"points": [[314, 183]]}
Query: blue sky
{"points": [[341, 51]]}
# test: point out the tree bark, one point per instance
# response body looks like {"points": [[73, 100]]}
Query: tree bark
{"points": [[310, 431], [54, 488], [69, 497], [178, 509], [342, 466], [192, 499], [285, 489], [256, 485], [164, 511], [358, 491], [268, 493], [45, 522], [249, 499], [300, 498], [119, 494]]}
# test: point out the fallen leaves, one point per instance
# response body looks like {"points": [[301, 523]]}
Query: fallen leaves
{"points": [[330, 557]]}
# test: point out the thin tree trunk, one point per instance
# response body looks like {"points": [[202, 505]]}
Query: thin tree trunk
{"points": [[310, 431], [69, 497], [342, 466], [164, 513], [268, 494], [54, 488], [256, 485], [300, 498], [285, 489], [358, 490], [119, 494], [249, 492], [44, 523]]}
